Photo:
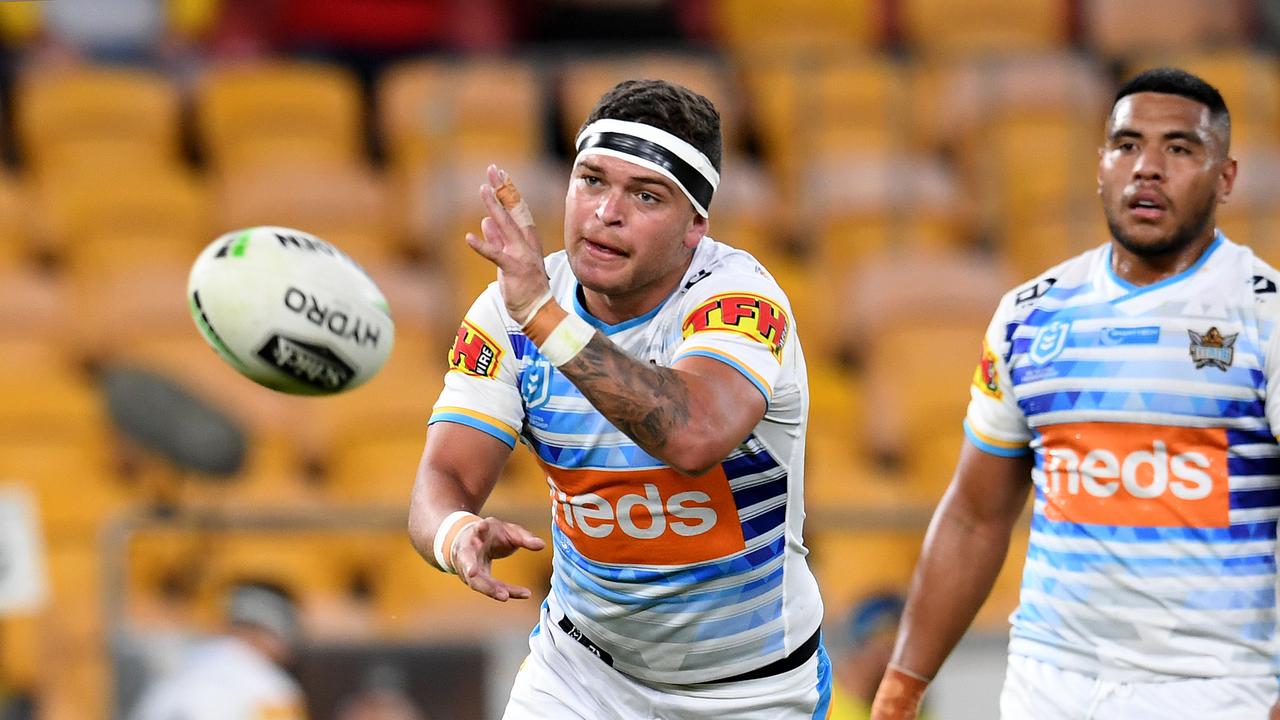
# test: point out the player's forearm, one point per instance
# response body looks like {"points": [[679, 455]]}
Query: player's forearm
{"points": [[435, 497], [958, 566], [652, 405]]}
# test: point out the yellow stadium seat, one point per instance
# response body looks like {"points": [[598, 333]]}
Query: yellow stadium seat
{"points": [[954, 100], [916, 322], [20, 653], [840, 475], [1037, 244], [375, 468], [303, 561], [746, 212], [420, 299], [805, 108], [123, 303], [343, 203], [857, 206], [142, 217], [435, 110], [984, 26], [15, 235], [750, 27], [72, 482], [279, 112], [275, 476], [47, 395], [96, 118], [162, 571], [1122, 28], [20, 23], [1035, 168], [74, 676], [36, 305], [852, 562]]}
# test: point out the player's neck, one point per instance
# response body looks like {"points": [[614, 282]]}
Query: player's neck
{"points": [[614, 308], [1143, 270]]}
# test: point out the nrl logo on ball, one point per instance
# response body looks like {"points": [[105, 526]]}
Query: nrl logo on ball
{"points": [[1213, 349]]}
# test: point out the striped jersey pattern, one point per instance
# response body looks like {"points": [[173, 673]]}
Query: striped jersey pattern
{"points": [[680, 580], [1151, 415]]}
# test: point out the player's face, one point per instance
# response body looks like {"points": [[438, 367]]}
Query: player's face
{"points": [[1163, 171], [629, 232]]}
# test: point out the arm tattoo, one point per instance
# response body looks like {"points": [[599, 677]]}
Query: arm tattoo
{"points": [[648, 403]]}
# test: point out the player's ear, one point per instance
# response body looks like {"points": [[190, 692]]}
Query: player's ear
{"points": [[695, 231], [1226, 179]]}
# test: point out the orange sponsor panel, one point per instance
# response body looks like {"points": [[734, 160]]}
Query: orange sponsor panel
{"points": [[639, 516], [1136, 475]]}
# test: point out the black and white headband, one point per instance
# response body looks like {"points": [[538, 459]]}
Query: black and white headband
{"points": [[657, 150]]}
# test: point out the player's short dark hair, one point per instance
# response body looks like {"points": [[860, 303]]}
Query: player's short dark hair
{"points": [[1175, 81], [666, 106]]}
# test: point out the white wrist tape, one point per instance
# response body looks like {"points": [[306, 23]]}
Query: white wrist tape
{"points": [[447, 536], [567, 340], [537, 305]]}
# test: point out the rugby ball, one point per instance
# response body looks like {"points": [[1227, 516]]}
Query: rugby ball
{"points": [[290, 311]]}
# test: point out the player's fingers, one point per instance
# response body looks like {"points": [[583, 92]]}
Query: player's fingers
{"points": [[481, 580], [522, 537], [501, 215], [484, 248], [496, 176]]}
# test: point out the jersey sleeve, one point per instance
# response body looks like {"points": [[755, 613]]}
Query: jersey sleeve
{"points": [[742, 319], [481, 388], [994, 422], [1268, 307]]}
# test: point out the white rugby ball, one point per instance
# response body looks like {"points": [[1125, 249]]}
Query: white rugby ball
{"points": [[290, 311]]}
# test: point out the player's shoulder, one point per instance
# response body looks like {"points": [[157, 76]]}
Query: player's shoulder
{"points": [[1262, 279], [719, 268], [1054, 284]]}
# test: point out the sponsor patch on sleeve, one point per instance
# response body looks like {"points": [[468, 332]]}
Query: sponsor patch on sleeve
{"points": [[756, 317], [474, 352], [986, 377]]}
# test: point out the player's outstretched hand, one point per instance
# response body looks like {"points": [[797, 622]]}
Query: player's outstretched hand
{"points": [[1275, 712], [510, 241], [480, 544]]}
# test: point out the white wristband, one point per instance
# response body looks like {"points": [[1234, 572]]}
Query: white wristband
{"points": [[567, 340], [537, 305], [446, 533]]}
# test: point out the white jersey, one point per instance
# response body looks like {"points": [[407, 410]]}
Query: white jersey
{"points": [[1152, 415], [680, 580], [223, 679]]}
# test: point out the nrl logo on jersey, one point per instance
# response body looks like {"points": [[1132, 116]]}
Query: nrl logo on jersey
{"points": [[1213, 348], [1049, 342]]}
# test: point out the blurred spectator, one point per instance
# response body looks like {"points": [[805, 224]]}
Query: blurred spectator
{"points": [[383, 696], [159, 32], [364, 34], [860, 653], [239, 675]]}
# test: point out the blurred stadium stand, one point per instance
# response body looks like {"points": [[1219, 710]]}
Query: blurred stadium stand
{"points": [[896, 163]]}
